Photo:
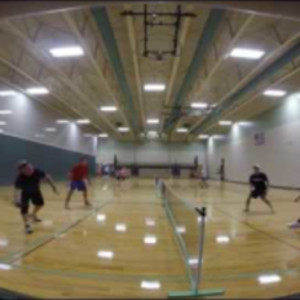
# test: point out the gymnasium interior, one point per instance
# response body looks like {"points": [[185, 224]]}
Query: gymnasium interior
{"points": [[173, 105]]}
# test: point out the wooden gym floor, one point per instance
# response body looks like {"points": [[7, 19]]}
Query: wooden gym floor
{"points": [[60, 260]]}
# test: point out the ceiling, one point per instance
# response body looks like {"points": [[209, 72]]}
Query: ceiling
{"points": [[113, 69]]}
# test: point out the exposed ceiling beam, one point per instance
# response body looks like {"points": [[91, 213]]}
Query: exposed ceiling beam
{"points": [[205, 41], [102, 20], [91, 57], [228, 103], [287, 76], [176, 63], [134, 51], [286, 9]]}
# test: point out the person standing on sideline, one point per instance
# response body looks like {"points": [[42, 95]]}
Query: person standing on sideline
{"points": [[259, 184], [27, 188], [222, 170], [78, 176]]}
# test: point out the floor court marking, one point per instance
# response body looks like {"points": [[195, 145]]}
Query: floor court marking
{"points": [[10, 258], [106, 277], [259, 230]]}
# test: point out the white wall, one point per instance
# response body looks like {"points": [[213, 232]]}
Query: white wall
{"points": [[278, 156], [152, 152], [30, 118]]}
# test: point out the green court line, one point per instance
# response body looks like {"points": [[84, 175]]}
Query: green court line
{"points": [[38, 243], [105, 277], [259, 230]]}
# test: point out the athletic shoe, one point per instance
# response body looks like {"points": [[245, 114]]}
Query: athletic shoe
{"points": [[28, 229], [294, 225], [87, 204], [246, 210], [36, 220]]}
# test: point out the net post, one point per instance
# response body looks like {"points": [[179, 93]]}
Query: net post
{"points": [[202, 214]]}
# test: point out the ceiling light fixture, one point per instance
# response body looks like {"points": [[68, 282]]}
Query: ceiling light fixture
{"points": [[225, 123], [6, 93], [247, 53], [154, 87], [108, 108], [199, 105], [123, 129], [83, 121], [37, 91], [62, 121], [70, 51], [182, 130], [152, 121], [274, 93]]}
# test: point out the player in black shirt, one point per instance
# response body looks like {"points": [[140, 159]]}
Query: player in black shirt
{"points": [[259, 184], [28, 183]]}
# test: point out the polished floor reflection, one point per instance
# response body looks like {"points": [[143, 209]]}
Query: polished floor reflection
{"points": [[125, 247]]}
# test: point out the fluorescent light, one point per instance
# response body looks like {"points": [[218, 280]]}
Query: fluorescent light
{"points": [[152, 121], [181, 229], [1, 130], [199, 105], [88, 135], [123, 129], [102, 135], [247, 53], [203, 136], [62, 121], [6, 93], [221, 239], [69, 51], [150, 239], [182, 130], [50, 129], [150, 222], [274, 93], [225, 123], [150, 285], [5, 267], [267, 279], [244, 123], [108, 108], [37, 135], [37, 91], [154, 87], [5, 112], [121, 227], [2, 123], [83, 121], [106, 254]]}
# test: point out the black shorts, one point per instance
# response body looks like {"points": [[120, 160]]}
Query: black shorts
{"points": [[258, 193], [35, 197]]}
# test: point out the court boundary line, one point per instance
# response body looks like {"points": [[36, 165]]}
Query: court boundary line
{"points": [[259, 230], [12, 257]]}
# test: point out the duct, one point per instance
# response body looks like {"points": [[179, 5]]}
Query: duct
{"points": [[205, 41], [101, 18]]}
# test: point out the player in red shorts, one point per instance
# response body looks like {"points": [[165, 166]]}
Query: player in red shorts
{"points": [[78, 176]]}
